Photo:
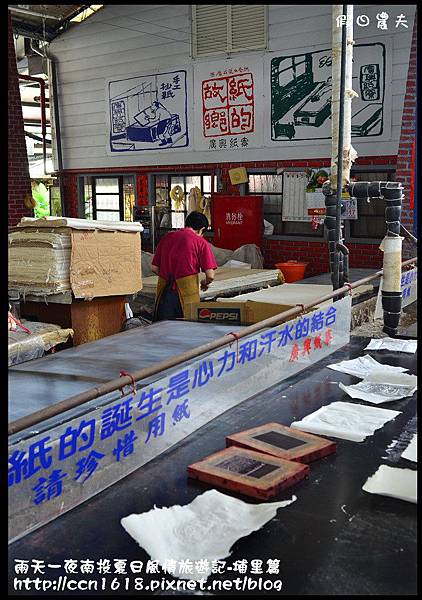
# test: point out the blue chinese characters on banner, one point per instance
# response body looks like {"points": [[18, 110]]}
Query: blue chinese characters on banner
{"points": [[406, 281], [130, 423]]}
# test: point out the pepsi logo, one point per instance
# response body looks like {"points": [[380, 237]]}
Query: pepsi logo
{"points": [[218, 314]]}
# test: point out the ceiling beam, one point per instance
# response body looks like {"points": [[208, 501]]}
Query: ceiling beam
{"points": [[26, 11], [34, 33], [34, 122], [34, 104]]}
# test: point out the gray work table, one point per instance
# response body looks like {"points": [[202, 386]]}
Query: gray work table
{"points": [[48, 380]]}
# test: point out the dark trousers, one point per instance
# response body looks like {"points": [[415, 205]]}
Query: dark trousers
{"points": [[168, 306]]}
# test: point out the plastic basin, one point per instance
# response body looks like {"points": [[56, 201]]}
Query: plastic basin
{"points": [[292, 270]]}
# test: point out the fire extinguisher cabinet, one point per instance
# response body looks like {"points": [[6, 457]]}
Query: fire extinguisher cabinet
{"points": [[238, 220]]}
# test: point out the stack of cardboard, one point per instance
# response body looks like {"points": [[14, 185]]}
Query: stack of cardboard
{"points": [[39, 262], [89, 258]]}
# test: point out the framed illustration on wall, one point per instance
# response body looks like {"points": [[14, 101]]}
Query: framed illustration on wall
{"points": [[148, 112]]}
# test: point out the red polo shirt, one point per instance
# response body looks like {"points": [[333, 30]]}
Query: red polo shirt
{"points": [[181, 253]]}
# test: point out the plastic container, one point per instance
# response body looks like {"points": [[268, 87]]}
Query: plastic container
{"points": [[292, 270], [15, 307]]}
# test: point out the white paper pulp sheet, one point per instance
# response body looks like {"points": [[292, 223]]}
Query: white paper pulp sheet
{"points": [[379, 387], [411, 452], [205, 529], [363, 365], [394, 344], [393, 482], [344, 420]]}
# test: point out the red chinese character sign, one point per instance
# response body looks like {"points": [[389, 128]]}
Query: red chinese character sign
{"points": [[228, 105], [229, 97]]}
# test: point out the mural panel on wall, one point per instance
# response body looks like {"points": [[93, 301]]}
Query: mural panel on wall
{"points": [[228, 104], [301, 94], [148, 112], [246, 102]]}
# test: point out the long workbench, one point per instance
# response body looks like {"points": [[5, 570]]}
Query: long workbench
{"points": [[46, 381], [334, 540]]}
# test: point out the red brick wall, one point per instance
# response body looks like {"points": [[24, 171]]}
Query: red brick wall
{"points": [[314, 252], [365, 256], [70, 190], [407, 137], [19, 183]]}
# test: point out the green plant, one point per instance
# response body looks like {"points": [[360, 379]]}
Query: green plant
{"points": [[40, 195], [316, 179]]}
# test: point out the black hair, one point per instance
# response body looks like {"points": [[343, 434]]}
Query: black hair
{"points": [[196, 220]]}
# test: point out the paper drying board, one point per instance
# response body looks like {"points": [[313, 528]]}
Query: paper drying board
{"points": [[284, 442], [236, 278], [247, 472], [291, 293]]}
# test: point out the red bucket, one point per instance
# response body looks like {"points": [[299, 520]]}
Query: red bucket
{"points": [[292, 270]]}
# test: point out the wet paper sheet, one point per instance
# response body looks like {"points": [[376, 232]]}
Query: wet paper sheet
{"points": [[363, 365], [393, 344], [393, 482], [203, 530], [379, 387], [344, 420], [411, 452]]}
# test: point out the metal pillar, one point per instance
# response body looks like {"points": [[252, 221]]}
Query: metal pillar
{"points": [[342, 152]]}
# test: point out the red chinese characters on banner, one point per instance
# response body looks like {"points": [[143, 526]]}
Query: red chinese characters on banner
{"points": [[307, 348], [228, 105]]}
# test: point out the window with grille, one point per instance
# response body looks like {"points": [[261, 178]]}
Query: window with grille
{"points": [[55, 200], [270, 186], [225, 28], [107, 198], [370, 223], [171, 213], [371, 215]]}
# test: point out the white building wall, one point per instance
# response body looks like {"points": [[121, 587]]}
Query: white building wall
{"points": [[132, 39]]}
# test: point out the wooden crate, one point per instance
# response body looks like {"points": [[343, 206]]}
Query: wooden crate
{"points": [[284, 442], [90, 320]]}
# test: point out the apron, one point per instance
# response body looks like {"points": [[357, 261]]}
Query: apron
{"points": [[173, 304]]}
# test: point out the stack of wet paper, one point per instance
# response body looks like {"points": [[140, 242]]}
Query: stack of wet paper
{"points": [[39, 261], [380, 382], [382, 386]]}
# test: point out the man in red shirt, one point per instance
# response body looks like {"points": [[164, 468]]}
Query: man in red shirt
{"points": [[177, 261]]}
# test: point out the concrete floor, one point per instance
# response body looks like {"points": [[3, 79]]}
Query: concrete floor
{"points": [[408, 326]]}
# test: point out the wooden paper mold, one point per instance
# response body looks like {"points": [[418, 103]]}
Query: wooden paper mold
{"points": [[283, 442], [248, 472]]}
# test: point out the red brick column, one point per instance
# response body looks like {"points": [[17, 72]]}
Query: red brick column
{"points": [[19, 182], [70, 189], [407, 137]]}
